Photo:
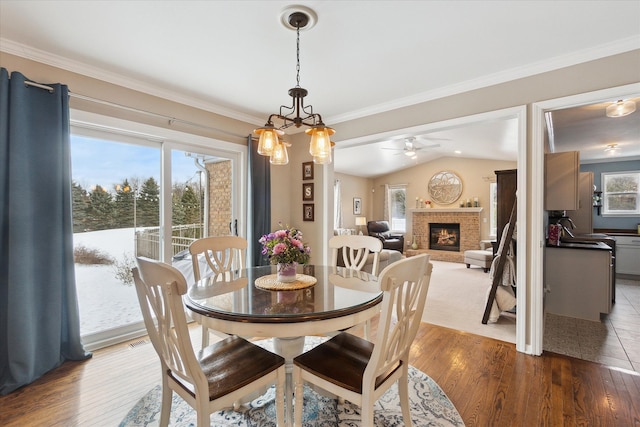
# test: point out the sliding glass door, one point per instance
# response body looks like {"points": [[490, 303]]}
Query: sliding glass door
{"points": [[141, 196]]}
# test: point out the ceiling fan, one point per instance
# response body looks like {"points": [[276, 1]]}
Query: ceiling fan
{"points": [[410, 148]]}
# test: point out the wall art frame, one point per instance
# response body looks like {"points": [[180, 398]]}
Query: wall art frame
{"points": [[357, 206], [307, 170], [307, 191], [308, 212]]}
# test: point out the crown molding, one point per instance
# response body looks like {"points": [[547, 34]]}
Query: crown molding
{"points": [[28, 52], [574, 58]]}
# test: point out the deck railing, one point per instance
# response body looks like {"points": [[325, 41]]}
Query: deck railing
{"points": [[148, 239]]}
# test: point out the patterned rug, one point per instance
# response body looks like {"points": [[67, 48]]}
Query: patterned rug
{"points": [[429, 407]]}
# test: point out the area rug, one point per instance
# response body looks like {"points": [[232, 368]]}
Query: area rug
{"points": [[429, 407]]}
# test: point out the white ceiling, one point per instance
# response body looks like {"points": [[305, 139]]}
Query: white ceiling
{"points": [[362, 57]]}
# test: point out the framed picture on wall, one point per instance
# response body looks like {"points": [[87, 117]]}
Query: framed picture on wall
{"points": [[307, 192], [307, 170], [357, 206], [307, 212]]}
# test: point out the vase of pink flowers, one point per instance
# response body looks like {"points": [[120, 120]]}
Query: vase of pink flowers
{"points": [[285, 249]]}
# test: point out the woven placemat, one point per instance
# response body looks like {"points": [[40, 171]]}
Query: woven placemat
{"points": [[269, 282]]}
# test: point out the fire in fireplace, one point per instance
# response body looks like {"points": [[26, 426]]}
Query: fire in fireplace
{"points": [[444, 237]]}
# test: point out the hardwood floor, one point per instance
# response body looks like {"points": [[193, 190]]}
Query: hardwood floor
{"points": [[487, 380]]}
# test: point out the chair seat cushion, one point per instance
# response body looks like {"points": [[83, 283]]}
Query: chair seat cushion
{"points": [[235, 362], [342, 360]]}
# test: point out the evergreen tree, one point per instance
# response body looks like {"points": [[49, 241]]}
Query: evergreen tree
{"points": [[148, 205], [178, 214], [191, 206], [80, 207], [124, 205], [101, 209]]}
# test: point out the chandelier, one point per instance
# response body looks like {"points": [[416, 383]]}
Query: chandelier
{"points": [[271, 143]]}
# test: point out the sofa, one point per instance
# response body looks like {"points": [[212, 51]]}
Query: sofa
{"points": [[381, 230]]}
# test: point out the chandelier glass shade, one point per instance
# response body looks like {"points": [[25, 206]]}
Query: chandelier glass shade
{"points": [[298, 114], [621, 108]]}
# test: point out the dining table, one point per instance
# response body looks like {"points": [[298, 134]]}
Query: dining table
{"points": [[251, 303]]}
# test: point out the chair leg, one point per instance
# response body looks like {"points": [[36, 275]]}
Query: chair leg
{"points": [[204, 418], [165, 409], [403, 392], [367, 412]]}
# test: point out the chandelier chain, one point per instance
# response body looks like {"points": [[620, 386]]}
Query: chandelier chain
{"points": [[298, 56]]}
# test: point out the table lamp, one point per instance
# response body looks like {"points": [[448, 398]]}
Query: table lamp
{"points": [[360, 221]]}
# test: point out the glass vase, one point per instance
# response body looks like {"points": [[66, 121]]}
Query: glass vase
{"points": [[286, 272]]}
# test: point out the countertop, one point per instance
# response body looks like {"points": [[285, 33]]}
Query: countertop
{"points": [[590, 245]]}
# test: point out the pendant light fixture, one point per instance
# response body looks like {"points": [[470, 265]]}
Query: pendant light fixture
{"points": [[298, 114], [621, 108]]}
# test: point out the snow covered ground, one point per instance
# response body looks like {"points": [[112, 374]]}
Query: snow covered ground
{"points": [[104, 301]]}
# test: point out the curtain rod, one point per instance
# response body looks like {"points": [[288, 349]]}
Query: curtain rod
{"points": [[135, 110], [28, 83]]}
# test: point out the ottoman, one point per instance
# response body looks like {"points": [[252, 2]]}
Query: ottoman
{"points": [[480, 257]]}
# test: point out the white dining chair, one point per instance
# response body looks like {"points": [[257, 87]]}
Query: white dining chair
{"points": [[355, 251], [216, 256], [211, 379], [356, 369]]}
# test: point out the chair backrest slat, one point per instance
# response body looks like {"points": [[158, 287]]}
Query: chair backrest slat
{"points": [[355, 251], [221, 254]]}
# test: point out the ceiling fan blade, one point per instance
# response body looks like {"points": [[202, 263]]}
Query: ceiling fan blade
{"points": [[428, 146]]}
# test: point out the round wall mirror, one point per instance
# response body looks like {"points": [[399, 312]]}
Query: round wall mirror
{"points": [[445, 187]]}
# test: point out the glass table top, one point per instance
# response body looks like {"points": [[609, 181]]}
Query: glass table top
{"points": [[234, 296]]}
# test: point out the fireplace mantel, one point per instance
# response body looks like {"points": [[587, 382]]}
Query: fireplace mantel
{"points": [[446, 210]]}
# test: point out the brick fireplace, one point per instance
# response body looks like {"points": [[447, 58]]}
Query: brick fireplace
{"points": [[469, 220]]}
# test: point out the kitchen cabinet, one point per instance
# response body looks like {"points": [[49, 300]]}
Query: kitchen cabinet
{"points": [[561, 181], [506, 186], [583, 216], [578, 282], [628, 254]]}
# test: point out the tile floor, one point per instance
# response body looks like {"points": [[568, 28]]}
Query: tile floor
{"points": [[615, 341]]}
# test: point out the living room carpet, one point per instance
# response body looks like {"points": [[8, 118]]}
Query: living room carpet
{"points": [[429, 407], [457, 298]]}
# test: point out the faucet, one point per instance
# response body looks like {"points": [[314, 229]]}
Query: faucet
{"points": [[565, 229]]}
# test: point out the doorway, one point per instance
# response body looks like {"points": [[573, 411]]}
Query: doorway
{"points": [[549, 339]]}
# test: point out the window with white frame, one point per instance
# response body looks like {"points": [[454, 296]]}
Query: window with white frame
{"points": [[396, 196], [621, 193], [493, 210]]}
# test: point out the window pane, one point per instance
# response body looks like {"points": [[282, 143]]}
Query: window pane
{"points": [[622, 202], [202, 203], [115, 194], [493, 205], [621, 183], [621, 193], [398, 209]]}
